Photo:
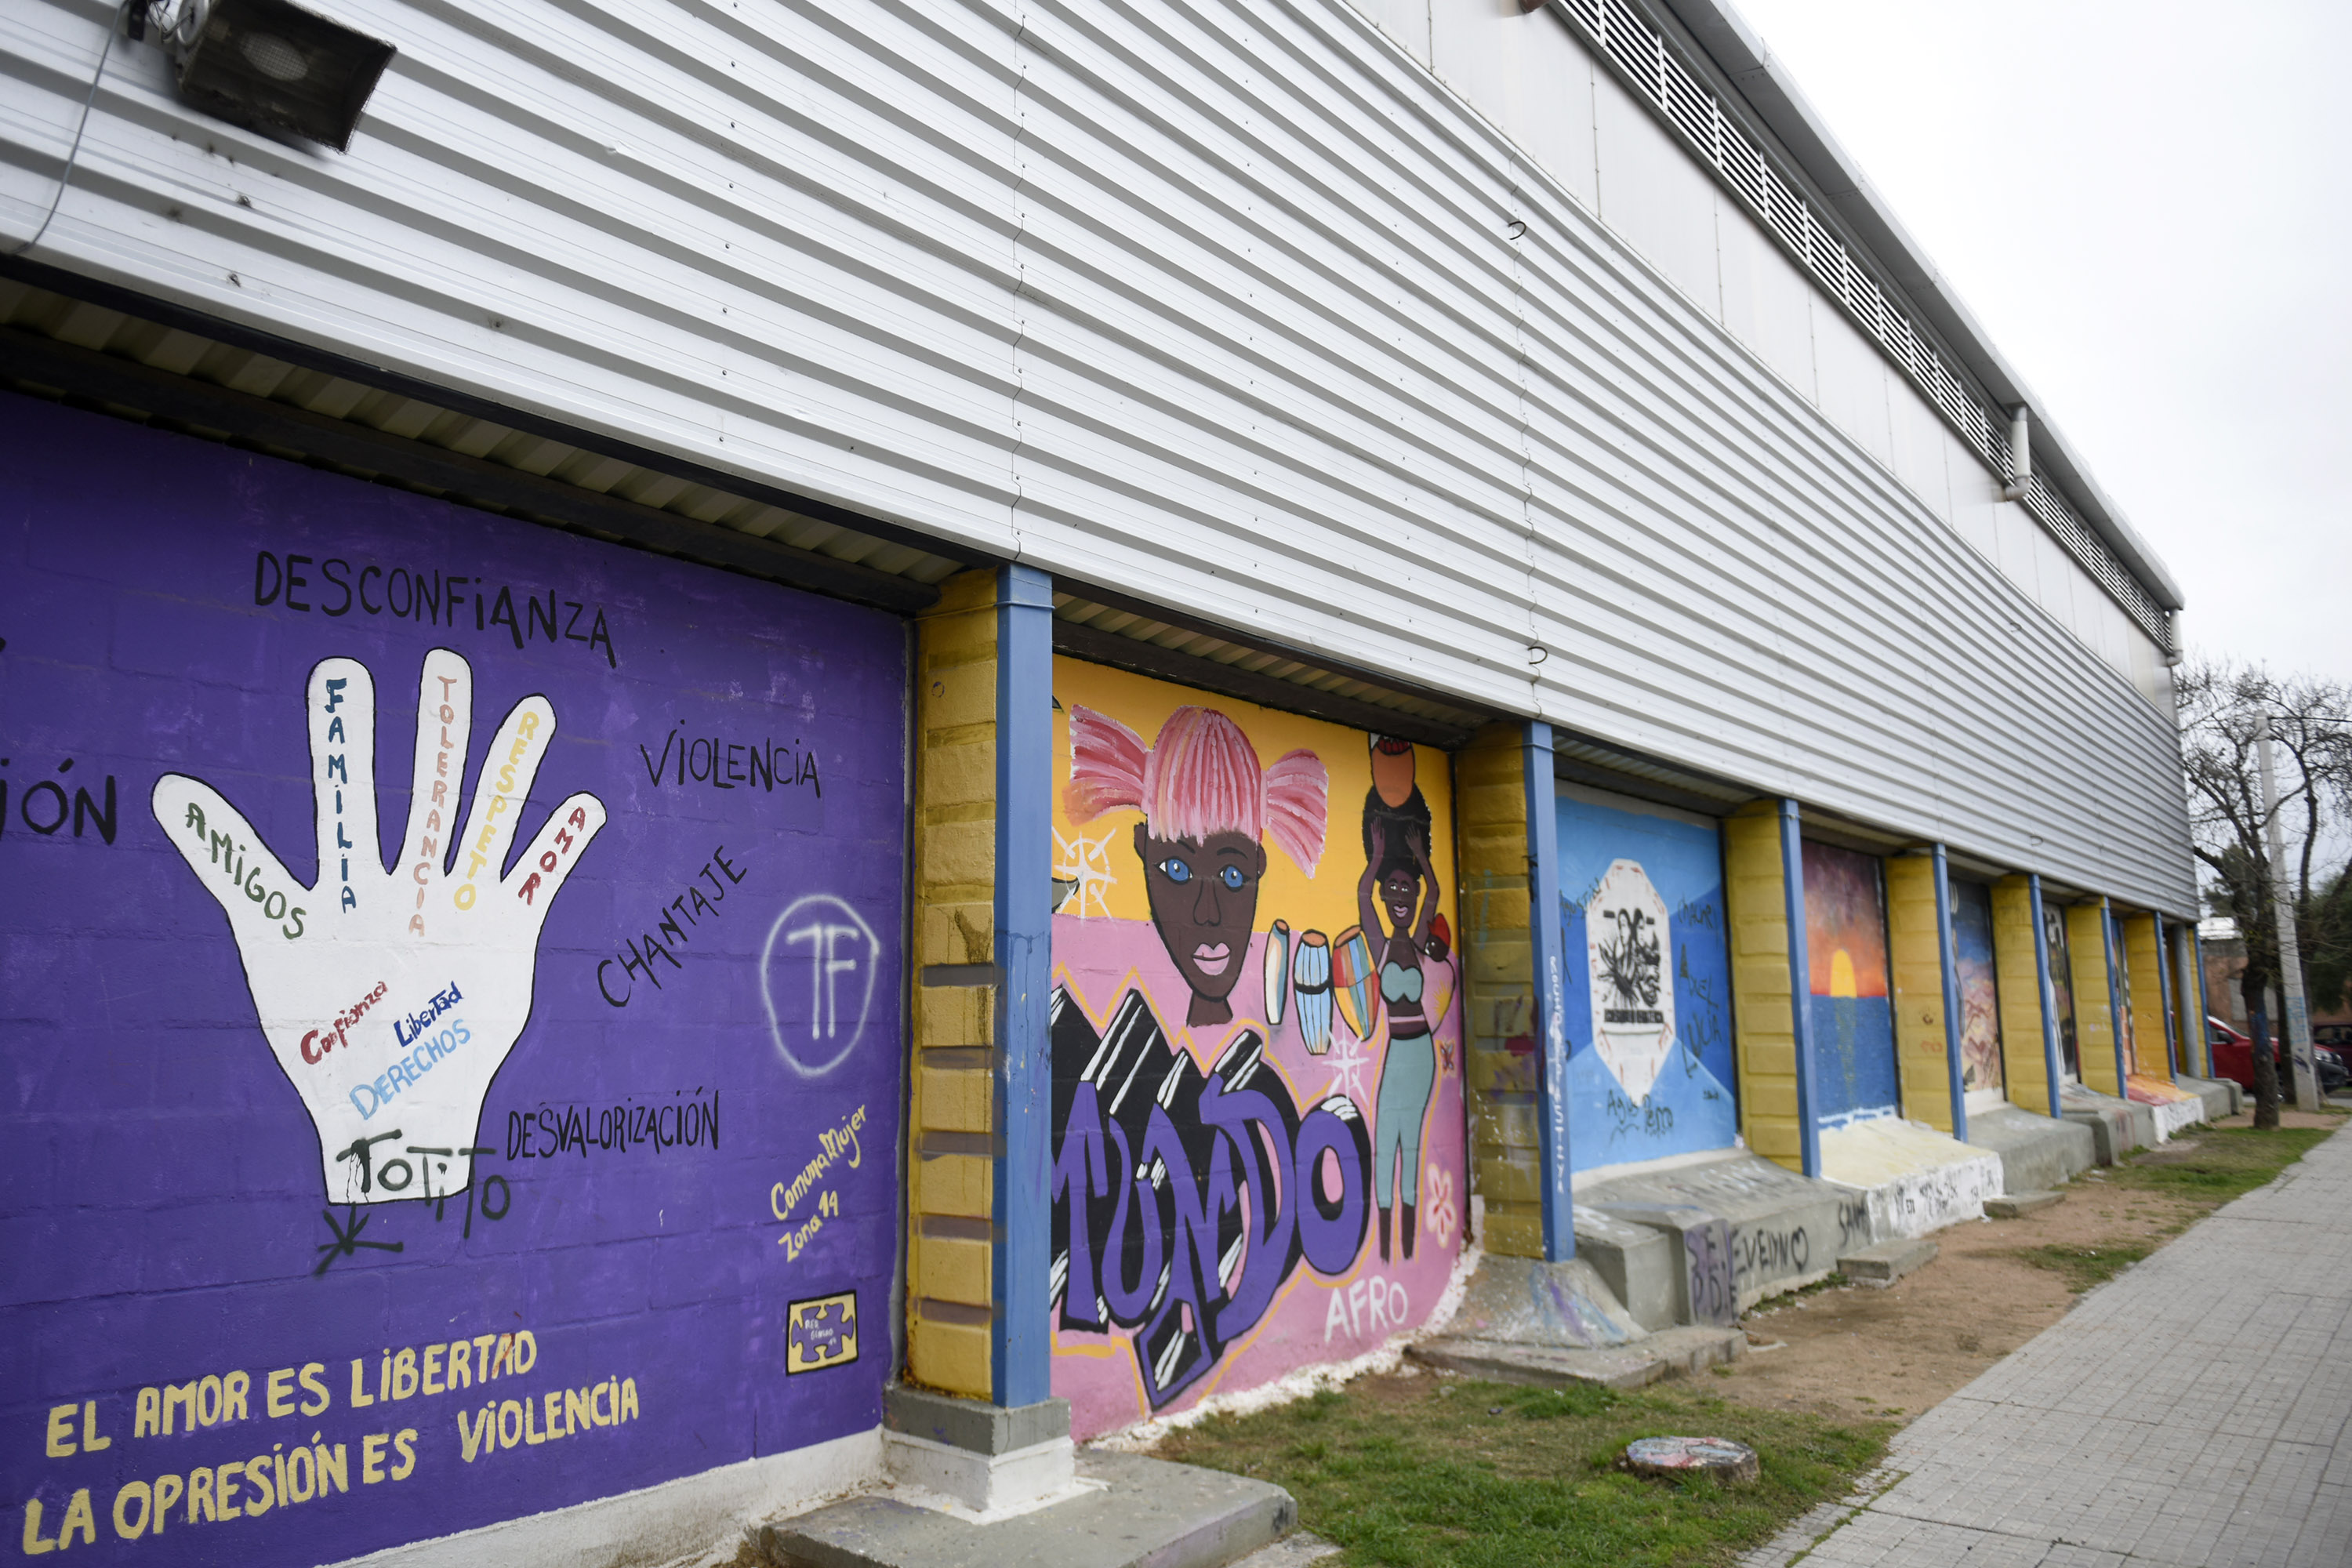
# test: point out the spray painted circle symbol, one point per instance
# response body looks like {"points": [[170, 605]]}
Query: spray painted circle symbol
{"points": [[820, 987]]}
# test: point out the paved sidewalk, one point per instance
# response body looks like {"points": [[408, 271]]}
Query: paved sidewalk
{"points": [[2193, 1411]]}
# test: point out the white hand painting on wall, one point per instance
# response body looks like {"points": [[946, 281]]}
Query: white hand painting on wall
{"points": [[391, 997]]}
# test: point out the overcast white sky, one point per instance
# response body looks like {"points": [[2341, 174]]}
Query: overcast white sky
{"points": [[2146, 203]]}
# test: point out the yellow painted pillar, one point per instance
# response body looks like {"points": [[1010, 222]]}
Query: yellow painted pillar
{"points": [[1915, 946], [2027, 1069], [2095, 1013], [1764, 1002], [2144, 960], [950, 1168], [2189, 1004], [1504, 1060]]}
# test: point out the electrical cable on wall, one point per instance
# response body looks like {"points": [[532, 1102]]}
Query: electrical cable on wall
{"points": [[121, 17]]}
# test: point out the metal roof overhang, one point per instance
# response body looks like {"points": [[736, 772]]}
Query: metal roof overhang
{"points": [[1747, 72], [102, 347]]}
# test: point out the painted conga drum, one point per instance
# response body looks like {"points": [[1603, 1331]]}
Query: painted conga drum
{"points": [[1355, 982], [1276, 973], [1310, 983]]}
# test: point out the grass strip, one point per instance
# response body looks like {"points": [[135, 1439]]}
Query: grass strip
{"points": [[2084, 1266], [1443, 1471], [2198, 1174], [2228, 1163]]}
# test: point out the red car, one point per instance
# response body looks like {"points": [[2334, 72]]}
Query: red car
{"points": [[2233, 1058]]}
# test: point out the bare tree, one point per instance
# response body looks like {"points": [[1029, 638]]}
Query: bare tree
{"points": [[2223, 709]]}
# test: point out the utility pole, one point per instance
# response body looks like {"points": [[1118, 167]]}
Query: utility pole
{"points": [[2297, 1022]]}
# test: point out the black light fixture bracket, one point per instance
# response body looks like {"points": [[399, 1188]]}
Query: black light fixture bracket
{"points": [[269, 62]]}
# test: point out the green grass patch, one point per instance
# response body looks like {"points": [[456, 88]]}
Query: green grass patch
{"points": [[1489, 1474], [2228, 1163], [2084, 1266], [2225, 1164]]}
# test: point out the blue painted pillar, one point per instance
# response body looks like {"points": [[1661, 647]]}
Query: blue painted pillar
{"points": [[1021, 1347], [1547, 958], [2114, 995], [1800, 982], [1954, 1026], [2164, 979], [2051, 1055]]}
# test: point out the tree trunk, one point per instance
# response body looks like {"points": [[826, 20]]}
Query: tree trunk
{"points": [[2253, 984]]}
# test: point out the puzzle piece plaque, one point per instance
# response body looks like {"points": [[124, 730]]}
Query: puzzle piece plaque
{"points": [[821, 1333]]}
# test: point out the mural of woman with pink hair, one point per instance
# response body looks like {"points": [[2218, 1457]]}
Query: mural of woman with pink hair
{"points": [[1207, 809]]}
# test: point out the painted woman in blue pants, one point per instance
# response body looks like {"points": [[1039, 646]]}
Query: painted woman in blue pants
{"points": [[1399, 882]]}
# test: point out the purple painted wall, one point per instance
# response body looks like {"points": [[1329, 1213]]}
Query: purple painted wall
{"points": [[696, 1126]]}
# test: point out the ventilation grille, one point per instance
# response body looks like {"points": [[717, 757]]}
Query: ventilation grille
{"points": [[1648, 65]]}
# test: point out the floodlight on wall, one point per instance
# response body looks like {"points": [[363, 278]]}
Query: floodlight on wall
{"points": [[271, 62]]}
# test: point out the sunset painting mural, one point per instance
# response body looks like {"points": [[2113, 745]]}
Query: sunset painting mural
{"points": [[1979, 993], [1853, 1023], [1258, 1141], [1648, 998]]}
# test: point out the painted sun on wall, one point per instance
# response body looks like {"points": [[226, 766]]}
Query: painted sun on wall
{"points": [[1258, 1155], [1853, 1023]]}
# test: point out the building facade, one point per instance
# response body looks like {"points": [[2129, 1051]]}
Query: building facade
{"points": [[1090, 687]]}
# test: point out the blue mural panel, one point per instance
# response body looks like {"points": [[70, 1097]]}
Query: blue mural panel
{"points": [[453, 1030], [1647, 1002]]}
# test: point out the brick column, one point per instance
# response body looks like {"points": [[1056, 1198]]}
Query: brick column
{"points": [[2095, 1040], [1506, 826], [951, 1192], [1764, 891], [2029, 1034], [1919, 944], [2151, 1029]]}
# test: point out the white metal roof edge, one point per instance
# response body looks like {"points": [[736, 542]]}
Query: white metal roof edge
{"points": [[1739, 55]]}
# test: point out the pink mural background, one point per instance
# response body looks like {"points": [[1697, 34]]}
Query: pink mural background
{"points": [[1221, 1259]]}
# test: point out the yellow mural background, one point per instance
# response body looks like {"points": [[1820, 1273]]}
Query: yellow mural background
{"points": [[1326, 901]]}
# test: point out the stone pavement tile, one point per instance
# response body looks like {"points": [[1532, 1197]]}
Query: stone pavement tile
{"points": [[1952, 1421], [2261, 1407], [2196, 1411], [1797, 1540], [2082, 1557], [1873, 1539], [2326, 1538], [2320, 1411], [2212, 1539], [2281, 1496], [2339, 1474]]}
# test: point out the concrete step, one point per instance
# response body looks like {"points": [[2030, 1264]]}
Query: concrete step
{"points": [[1143, 1513], [2117, 1126], [1294, 1551], [2037, 1151], [1777, 1231], [1888, 1261], [2016, 1205], [1670, 1352]]}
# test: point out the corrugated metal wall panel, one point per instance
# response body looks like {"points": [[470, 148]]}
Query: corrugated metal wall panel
{"points": [[577, 214], [1910, 689], [1348, 455], [1213, 304]]}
